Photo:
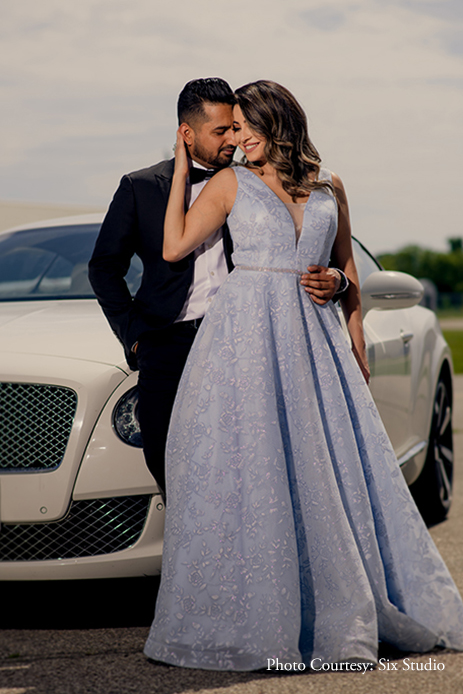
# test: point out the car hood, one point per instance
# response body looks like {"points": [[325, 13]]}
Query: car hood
{"points": [[72, 329]]}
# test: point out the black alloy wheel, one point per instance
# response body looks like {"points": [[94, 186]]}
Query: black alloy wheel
{"points": [[432, 490]]}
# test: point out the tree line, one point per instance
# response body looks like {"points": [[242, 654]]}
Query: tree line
{"points": [[444, 269]]}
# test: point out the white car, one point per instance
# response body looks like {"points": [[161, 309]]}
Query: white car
{"points": [[76, 499]]}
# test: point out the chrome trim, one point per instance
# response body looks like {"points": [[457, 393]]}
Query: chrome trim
{"points": [[396, 295], [406, 337]]}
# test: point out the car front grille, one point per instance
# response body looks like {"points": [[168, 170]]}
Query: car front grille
{"points": [[91, 527], [35, 424]]}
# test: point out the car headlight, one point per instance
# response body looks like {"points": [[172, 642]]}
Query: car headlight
{"points": [[125, 419]]}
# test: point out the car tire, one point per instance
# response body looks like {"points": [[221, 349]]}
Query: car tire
{"points": [[432, 490]]}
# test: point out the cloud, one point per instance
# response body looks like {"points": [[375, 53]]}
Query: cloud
{"points": [[447, 16], [324, 18], [452, 39], [88, 92], [447, 10]]}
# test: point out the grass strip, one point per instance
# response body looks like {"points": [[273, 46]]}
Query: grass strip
{"points": [[455, 342]]}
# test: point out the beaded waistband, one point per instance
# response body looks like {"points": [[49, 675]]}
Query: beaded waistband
{"points": [[268, 269]]}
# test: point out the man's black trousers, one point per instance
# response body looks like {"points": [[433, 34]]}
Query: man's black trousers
{"points": [[161, 356]]}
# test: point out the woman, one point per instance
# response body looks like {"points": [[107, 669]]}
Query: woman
{"points": [[290, 532]]}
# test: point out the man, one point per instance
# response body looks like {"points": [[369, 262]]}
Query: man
{"points": [[158, 326]]}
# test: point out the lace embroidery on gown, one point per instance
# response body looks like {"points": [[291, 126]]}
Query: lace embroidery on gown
{"points": [[290, 531]]}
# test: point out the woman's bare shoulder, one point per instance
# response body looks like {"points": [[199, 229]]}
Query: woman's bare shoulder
{"points": [[338, 188], [223, 182], [221, 189], [226, 176], [337, 182]]}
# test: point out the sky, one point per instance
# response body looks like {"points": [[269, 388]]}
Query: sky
{"points": [[88, 92]]}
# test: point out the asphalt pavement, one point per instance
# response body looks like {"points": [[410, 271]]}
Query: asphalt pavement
{"points": [[87, 637]]}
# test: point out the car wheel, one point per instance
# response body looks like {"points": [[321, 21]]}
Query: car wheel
{"points": [[432, 490]]}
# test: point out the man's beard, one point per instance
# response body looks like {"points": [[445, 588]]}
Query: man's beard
{"points": [[219, 161]]}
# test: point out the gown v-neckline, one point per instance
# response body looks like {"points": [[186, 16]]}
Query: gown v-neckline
{"points": [[285, 205]]}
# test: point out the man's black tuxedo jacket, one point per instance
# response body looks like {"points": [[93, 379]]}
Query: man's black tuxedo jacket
{"points": [[135, 224]]}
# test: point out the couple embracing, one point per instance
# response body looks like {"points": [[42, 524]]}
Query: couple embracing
{"points": [[290, 532]]}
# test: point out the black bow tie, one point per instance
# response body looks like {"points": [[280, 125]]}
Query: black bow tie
{"points": [[198, 175]]}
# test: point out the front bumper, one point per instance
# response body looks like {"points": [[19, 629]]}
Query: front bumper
{"points": [[141, 556]]}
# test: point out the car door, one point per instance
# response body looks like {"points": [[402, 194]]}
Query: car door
{"points": [[388, 334]]}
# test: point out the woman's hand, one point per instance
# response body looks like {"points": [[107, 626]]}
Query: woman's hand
{"points": [[181, 157]]}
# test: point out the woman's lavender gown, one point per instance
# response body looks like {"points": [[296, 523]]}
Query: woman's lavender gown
{"points": [[290, 532]]}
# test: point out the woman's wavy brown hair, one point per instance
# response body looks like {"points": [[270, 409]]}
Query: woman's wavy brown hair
{"points": [[272, 112]]}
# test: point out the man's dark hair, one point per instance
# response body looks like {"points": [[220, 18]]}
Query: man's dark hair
{"points": [[196, 93]]}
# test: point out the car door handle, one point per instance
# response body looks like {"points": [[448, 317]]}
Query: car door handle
{"points": [[406, 337]]}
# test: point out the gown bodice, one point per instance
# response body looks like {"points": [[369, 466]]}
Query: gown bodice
{"points": [[258, 211]]}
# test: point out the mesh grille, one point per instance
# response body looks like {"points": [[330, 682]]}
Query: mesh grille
{"points": [[35, 424], [96, 526]]}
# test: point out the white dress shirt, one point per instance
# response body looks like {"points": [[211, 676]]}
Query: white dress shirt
{"points": [[210, 266]]}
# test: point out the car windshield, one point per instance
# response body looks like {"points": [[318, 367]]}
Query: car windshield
{"points": [[51, 263], [364, 261]]}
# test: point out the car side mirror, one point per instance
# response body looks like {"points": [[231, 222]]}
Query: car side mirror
{"points": [[385, 290]]}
